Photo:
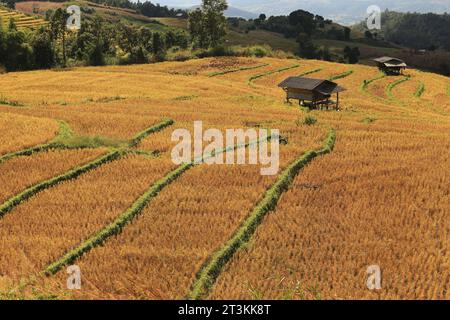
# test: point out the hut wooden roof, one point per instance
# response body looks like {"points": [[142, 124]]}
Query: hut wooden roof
{"points": [[390, 62], [320, 85]]}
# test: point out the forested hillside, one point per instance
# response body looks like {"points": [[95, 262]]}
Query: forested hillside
{"points": [[424, 37], [419, 31]]}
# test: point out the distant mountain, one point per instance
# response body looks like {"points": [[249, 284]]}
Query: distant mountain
{"points": [[239, 13], [233, 12], [341, 11]]}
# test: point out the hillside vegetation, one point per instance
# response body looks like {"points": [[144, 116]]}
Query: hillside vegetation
{"points": [[362, 186], [110, 15]]}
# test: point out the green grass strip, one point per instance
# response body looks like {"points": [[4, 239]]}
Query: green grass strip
{"points": [[221, 73], [77, 171], [309, 72], [420, 90], [256, 76], [64, 130], [392, 85], [26, 152], [71, 174], [209, 272], [366, 83], [117, 225], [341, 75], [143, 134], [136, 208], [67, 140]]}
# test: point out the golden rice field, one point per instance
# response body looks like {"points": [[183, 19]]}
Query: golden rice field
{"points": [[21, 20], [141, 227]]}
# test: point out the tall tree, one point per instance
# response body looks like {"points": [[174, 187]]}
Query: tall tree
{"points": [[196, 28], [307, 49], [17, 51], [215, 21], [58, 27], [2, 44], [43, 51], [207, 24], [157, 44]]}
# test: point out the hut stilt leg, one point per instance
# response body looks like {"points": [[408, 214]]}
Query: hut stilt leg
{"points": [[337, 101]]}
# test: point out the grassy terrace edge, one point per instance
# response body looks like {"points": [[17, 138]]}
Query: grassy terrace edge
{"points": [[115, 227], [213, 266], [77, 171], [341, 75], [420, 90], [71, 174], [221, 73], [309, 72], [365, 84], [392, 85], [65, 134], [166, 122], [260, 75], [64, 130]]}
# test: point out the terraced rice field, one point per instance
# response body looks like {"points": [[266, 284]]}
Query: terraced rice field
{"points": [[366, 185], [21, 20]]}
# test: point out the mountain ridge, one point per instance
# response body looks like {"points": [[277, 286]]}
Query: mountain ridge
{"points": [[354, 12]]}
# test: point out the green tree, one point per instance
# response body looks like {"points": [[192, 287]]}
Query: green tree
{"points": [[352, 54], [307, 49], [138, 55], [196, 28], [11, 4], [304, 21], [207, 25], [215, 21], [170, 39], [347, 32], [157, 44], [127, 38], [2, 43], [146, 38], [43, 51], [18, 54], [58, 29], [326, 56], [12, 25], [95, 54]]}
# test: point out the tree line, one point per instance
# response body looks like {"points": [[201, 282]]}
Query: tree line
{"points": [[99, 42], [304, 27], [95, 43]]}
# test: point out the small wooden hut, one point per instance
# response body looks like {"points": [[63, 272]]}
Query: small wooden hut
{"points": [[391, 66], [313, 93]]}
